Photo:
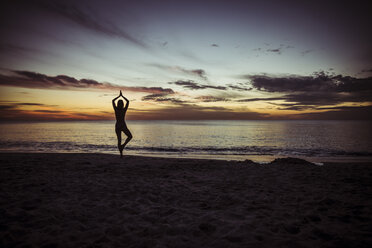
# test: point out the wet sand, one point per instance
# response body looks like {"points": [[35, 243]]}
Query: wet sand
{"points": [[99, 200]]}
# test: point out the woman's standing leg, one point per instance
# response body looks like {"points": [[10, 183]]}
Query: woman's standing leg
{"points": [[120, 147]]}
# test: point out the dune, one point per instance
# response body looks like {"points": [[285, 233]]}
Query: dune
{"points": [[100, 200]]}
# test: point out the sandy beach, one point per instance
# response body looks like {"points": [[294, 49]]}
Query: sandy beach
{"points": [[99, 200]]}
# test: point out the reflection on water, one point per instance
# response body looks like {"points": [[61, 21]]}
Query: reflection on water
{"points": [[235, 139]]}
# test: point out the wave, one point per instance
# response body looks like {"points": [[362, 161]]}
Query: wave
{"points": [[208, 150]]}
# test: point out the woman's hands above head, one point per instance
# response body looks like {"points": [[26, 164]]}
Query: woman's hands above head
{"points": [[121, 95]]}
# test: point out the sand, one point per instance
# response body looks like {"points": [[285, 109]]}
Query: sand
{"points": [[99, 200]]}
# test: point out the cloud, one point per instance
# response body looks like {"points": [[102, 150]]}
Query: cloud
{"points": [[6, 107], [276, 50], [339, 113], [88, 20], [194, 72], [15, 104], [48, 115], [199, 72], [319, 82], [195, 112], [28, 79], [212, 99], [239, 87], [15, 111], [170, 100], [318, 89], [48, 111], [291, 106], [261, 99], [162, 97], [153, 96], [191, 85], [30, 104]]}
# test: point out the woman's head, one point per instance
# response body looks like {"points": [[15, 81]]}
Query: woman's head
{"points": [[120, 104]]}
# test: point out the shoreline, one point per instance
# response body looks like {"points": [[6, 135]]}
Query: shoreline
{"points": [[260, 159], [100, 200]]}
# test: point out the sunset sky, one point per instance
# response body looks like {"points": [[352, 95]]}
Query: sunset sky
{"points": [[66, 60]]}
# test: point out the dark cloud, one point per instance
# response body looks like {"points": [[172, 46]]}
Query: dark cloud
{"points": [[239, 87], [199, 72], [88, 20], [319, 89], [15, 104], [344, 108], [319, 82], [162, 98], [47, 111], [191, 85], [325, 98], [153, 96], [295, 107], [276, 50], [302, 101], [170, 100], [30, 104], [211, 99], [71, 79], [6, 107], [27, 79], [261, 99], [339, 113], [195, 72]]}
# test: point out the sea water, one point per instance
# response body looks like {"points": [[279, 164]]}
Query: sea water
{"points": [[257, 140]]}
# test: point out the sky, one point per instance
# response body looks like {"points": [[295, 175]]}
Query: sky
{"points": [[186, 60]]}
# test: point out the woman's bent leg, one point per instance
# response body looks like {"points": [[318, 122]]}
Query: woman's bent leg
{"points": [[129, 136]]}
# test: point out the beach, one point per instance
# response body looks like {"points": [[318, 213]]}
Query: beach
{"points": [[100, 200]]}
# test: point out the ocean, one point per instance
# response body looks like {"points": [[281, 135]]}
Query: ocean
{"points": [[233, 140]]}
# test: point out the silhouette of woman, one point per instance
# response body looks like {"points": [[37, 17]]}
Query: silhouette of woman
{"points": [[120, 125]]}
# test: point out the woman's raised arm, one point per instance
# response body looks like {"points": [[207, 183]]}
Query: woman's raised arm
{"points": [[127, 101], [113, 101]]}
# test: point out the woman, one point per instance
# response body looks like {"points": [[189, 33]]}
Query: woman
{"points": [[120, 125]]}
